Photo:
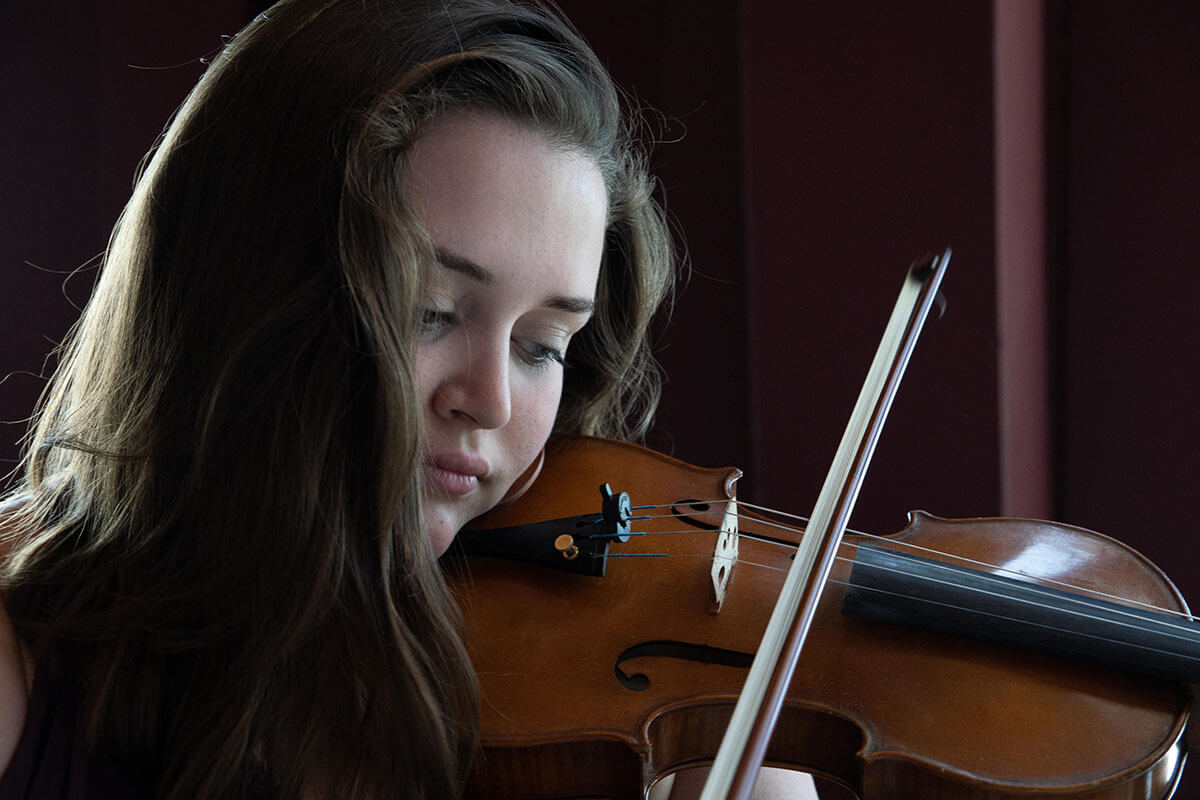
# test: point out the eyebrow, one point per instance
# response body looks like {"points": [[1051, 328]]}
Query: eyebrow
{"points": [[467, 267]]}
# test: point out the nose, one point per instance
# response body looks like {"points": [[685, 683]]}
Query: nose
{"points": [[478, 388]]}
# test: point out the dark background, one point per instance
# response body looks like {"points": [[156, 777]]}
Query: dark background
{"points": [[809, 152]]}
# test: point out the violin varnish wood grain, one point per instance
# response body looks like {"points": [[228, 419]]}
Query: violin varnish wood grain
{"points": [[892, 712]]}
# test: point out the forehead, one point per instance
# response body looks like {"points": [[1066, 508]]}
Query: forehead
{"points": [[504, 196], [486, 149]]}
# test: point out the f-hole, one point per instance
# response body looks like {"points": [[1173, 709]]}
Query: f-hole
{"points": [[684, 651]]}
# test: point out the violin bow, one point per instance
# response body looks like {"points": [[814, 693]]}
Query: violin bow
{"points": [[745, 742]]}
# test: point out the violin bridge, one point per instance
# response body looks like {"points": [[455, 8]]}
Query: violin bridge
{"points": [[725, 555]]}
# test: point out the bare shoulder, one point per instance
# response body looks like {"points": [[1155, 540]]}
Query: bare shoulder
{"points": [[14, 691]]}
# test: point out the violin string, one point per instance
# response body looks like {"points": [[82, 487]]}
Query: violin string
{"points": [[895, 544], [692, 557], [1043, 585], [1184, 633], [1181, 632], [636, 555], [1087, 599], [1031, 623], [973, 563], [692, 532], [898, 544]]}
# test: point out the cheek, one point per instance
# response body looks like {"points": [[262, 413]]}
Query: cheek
{"points": [[425, 365], [535, 412], [421, 378]]}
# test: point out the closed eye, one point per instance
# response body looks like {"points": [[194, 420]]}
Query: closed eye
{"points": [[538, 355], [435, 322]]}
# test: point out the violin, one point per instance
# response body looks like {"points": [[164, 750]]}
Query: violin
{"points": [[622, 663], [987, 658]]}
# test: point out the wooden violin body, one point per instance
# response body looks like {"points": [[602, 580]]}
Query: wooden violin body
{"points": [[597, 686]]}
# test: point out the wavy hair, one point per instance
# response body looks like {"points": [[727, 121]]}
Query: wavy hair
{"points": [[218, 532]]}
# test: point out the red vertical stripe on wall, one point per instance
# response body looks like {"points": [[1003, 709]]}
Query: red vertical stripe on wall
{"points": [[1021, 259]]}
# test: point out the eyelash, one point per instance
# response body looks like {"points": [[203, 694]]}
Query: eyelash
{"points": [[541, 356], [435, 322]]}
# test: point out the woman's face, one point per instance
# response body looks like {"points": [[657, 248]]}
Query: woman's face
{"points": [[519, 230]]}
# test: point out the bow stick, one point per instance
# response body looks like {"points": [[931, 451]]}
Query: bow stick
{"points": [[745, 742]]}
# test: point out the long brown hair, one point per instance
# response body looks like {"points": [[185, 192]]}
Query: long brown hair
{"points": [[218, 535]]}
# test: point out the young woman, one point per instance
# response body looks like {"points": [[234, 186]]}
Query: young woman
{"points": [[386, 249]]}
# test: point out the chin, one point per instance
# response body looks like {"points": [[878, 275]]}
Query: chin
{"points": [[440, 538], [441, 525]]}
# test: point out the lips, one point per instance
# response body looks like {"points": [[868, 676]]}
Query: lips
{"points": [[455, 473]]}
